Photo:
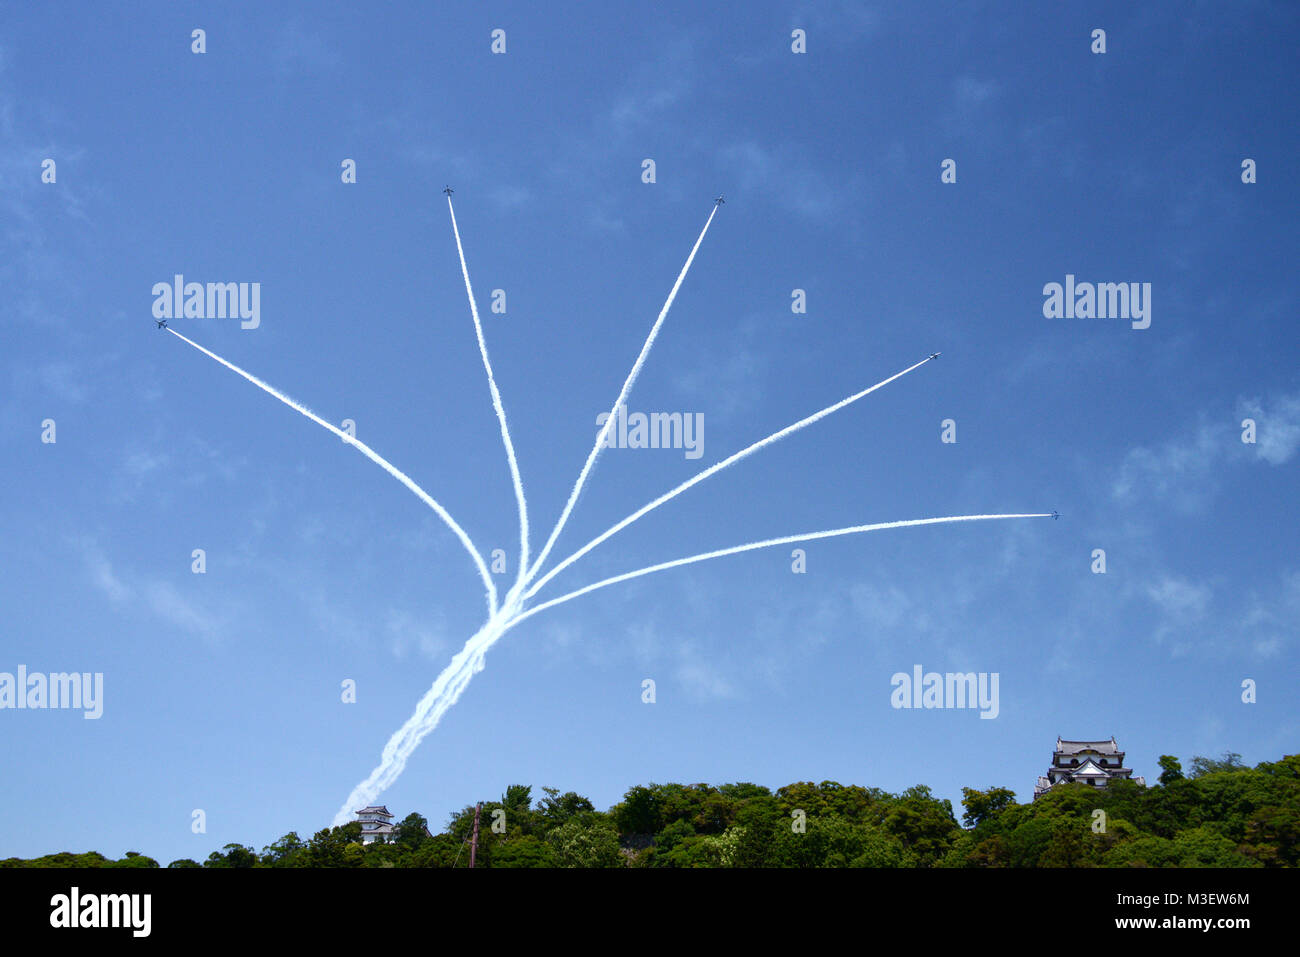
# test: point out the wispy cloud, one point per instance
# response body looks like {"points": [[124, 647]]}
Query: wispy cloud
{"points": [[1186, 470], [780, 176], [653, 89], [700, 678], [1193, 615], [1277, 427], [160, 599], [407, 633], [1179, 472]]}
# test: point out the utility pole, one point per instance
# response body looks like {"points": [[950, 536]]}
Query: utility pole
{"points": [[473, 841]]}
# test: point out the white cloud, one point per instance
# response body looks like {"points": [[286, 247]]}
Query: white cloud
{"points": [[159, 598], [880, 606], [408, 632], [1198, 616], [1185, 470], [1277, 427], [700, 678], [168, 603], [101, 572], [969, 91], [653, 89], [782, 177], [1181, 599]]}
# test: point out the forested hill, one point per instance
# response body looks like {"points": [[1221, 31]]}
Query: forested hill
{"points": [[1219, 814]]}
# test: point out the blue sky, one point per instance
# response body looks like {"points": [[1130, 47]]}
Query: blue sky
{"points": [[222, 690]]}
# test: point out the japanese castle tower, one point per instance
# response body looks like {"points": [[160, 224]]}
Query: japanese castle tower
{"points": [[376, 824], [1095, 763]]}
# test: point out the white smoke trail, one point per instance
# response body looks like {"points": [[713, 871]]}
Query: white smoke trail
{"points": [[622, 397], [371, 454], [444, 693], [454, 679], [496, 404], [808, 537], [713, 470]]}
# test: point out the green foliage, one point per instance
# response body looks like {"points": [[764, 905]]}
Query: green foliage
{"points": [[1231, 761], [923, 823], [639, 812], [285, 852], [232, 855], [558, 808], [982, 805], [135, 859], [527, 850], [586, 842], [670, 837], [412, 831], [1221, 814], [1171, 769]]}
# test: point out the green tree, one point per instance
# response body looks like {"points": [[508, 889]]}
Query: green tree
{"points": [[1171, 769], [923, 823], [1231, 761], [328, 847], [135, 859], [585, 843], [982, 805], [413, 831], [743, 791], [1273, 836], [517, 799], [991, 852], [558, 808], [638, 812], [526, 850], [284, 851], [236, 855]]}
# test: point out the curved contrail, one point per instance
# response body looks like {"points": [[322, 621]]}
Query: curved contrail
{"points": [[712, 470], [371, 454], [454, 679], [807, 537], [496, 404], [622, 397], [502, 617]]}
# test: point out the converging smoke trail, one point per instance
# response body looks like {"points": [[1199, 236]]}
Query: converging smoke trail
{"points": [[808, 537], [371, 454], [622, 397], [496, 404], [444, 693], [453, 680], [713, 470]]}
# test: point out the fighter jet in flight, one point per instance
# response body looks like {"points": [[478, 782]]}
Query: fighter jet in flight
{"points": [[934, 356], [162, 323], [719, 201], [448, 190], [1055, 514]]}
